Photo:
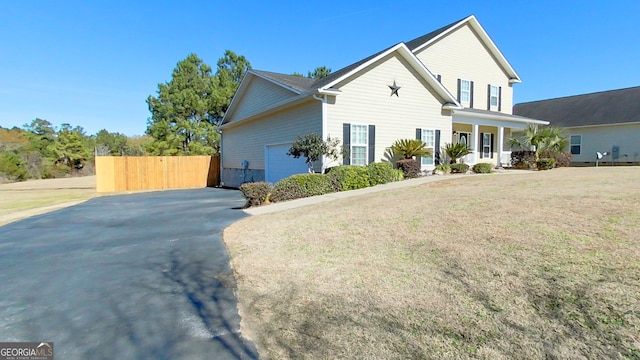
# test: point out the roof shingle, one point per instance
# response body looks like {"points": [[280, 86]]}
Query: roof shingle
{"points": [[600, 108]]}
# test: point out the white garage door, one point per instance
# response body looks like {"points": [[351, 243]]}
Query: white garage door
{"points": [[279, 165]]}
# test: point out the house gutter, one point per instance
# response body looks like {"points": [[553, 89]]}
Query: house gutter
{"points": [[323, 111]]}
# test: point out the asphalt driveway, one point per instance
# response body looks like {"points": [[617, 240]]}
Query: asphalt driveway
{"points": [[143, 276]]}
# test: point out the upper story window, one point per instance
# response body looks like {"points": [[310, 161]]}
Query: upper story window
{"points": [[493, 97], [465, 92]]}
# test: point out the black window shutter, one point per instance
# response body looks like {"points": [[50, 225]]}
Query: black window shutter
{"points": [[459, 88], [346, 141], [372, 143], [491, 146], [419, 137], [439, 78], [500, 98], [489, 97], [471, 95], [436, 148], [481, 145]]}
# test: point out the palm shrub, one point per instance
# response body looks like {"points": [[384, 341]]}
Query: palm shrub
{"points": [[548, 140], [408, 148], [456, 151]]}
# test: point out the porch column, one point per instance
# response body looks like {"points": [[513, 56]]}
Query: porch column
{"points": [[474, 136], [500, 145]]}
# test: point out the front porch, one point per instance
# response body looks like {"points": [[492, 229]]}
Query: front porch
{"points": [[487, 134]]}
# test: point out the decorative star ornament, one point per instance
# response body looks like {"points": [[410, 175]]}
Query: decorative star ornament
{"points": [[394, 89]]}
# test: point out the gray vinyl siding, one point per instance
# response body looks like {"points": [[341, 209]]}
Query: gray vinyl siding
{"points": [[247, 141], [260, 94], [367, 100], [603, 138], [462, 55]]}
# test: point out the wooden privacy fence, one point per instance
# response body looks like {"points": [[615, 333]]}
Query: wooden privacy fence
{"points": [[131, 173]]}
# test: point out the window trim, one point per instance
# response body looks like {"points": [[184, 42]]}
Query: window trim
{"points": [[432, 147], [491, 97], [352, 144], [571, 144], [468, 92]]}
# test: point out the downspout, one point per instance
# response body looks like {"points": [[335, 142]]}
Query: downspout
{"points": [[323, 100]]}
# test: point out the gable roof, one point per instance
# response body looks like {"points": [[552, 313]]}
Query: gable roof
{"points": [[327, 83], [419, 42], [306, 87], [295, 82], [600, 108], [423, 41]]}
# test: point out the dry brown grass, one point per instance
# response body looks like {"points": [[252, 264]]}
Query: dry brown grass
{"points": [[540, 265], [23, 199]]}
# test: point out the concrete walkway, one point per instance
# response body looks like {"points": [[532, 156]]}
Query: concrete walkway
{"points": [[292, 204]]}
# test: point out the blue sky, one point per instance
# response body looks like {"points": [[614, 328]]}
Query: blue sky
{"points": [[94, 63]]}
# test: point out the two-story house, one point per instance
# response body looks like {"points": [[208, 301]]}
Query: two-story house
{"points": [[451, 85]]}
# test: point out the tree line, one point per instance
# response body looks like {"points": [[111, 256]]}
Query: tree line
{"points": [[39, 150], [185, 114]]}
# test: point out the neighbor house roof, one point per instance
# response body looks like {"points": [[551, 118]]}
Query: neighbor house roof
{"points": [[600, 108]]}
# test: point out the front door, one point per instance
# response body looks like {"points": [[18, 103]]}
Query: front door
{"points": [[465, 138]]}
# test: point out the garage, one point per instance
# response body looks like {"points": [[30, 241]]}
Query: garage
{"points": [[278, 165]]}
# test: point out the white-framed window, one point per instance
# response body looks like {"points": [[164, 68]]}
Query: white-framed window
{"points": [[494, 97], [576, 144], [465, 92], [359, 139], [486, 145], [429, 138]]}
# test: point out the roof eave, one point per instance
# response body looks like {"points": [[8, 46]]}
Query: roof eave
{"points": [[500, 117], [404, 51]]}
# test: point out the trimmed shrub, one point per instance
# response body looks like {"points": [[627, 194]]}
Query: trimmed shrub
{"points": [[255, 193], [380, 173], [523, 159], [482, 168], [563, 158], [287, 189], [314, 184], [546, 164], [410, 167], [349, 177], [459, 168]]}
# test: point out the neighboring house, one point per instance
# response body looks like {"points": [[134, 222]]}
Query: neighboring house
{"points": [[607, 121], [451, 85]]}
